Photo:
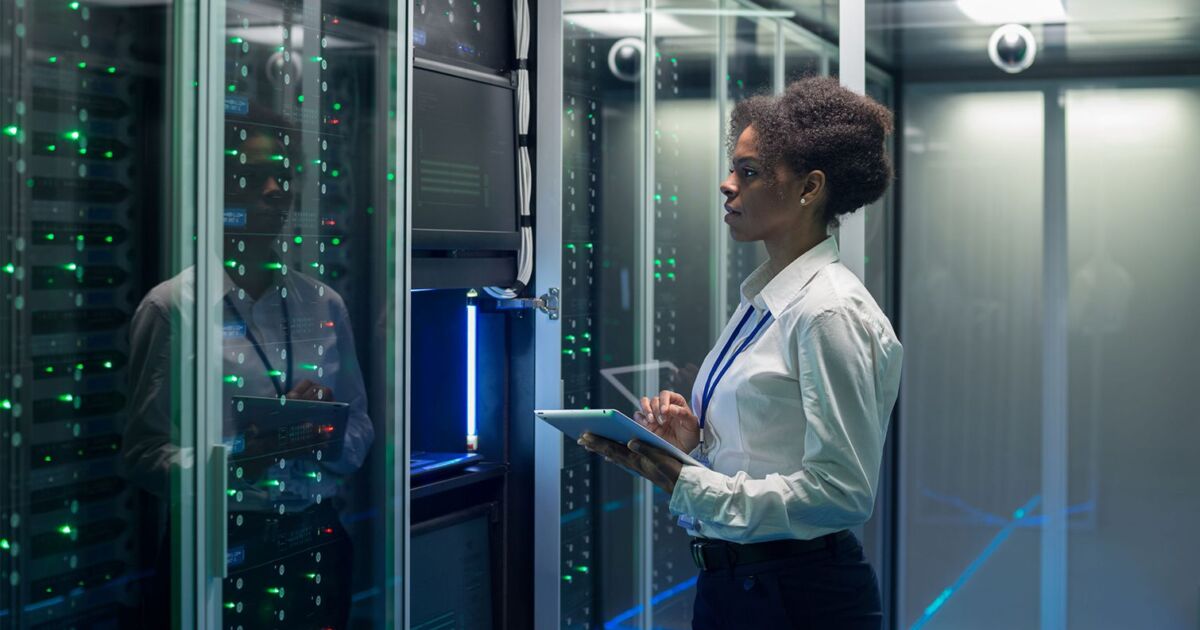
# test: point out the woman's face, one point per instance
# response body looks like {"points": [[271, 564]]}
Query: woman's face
{"points": [[753, 210]]}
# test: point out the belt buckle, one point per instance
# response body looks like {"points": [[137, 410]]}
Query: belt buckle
{"points": [[698, 555]]}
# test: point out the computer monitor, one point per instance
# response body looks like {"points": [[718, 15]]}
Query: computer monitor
{"points": [[451, 569]]}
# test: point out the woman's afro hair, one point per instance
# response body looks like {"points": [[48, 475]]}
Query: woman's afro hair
{"points": [[817, 124]]}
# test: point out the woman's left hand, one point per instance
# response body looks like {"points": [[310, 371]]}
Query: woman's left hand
{"points": [[638, 458]]}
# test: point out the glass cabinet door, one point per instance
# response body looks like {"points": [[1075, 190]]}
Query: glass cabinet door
{"points": [[96, 478], [298, 296]]}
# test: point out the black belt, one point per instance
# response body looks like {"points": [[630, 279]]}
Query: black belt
{"points": [[709, 554]]}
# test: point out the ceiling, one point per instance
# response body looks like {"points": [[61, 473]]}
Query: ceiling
{"points": [[935, 37]]}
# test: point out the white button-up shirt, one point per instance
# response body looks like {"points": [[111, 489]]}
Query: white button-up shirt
{"points": [[795, 429]]}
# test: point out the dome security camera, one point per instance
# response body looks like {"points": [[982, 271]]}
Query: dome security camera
{"points": [[625, 58], [1012, 48]]}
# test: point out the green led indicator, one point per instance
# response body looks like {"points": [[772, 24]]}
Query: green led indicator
{"points": [[657, 262], [4, 544], [589, 246], [274, 373], [79, 237], [334, 173], [231, 263], [70, 266], [585, 350], [275, 591], [108, 239], [6, 404], [83, 152], [569, 352], [47, 459], [236, 40], [72, 134], [657, 276], [671, 275], [66, 398], [232, 87], [49, 236], [336, 241], [570, 338], [79, 366], [314, 265], [658, 197], [571, 246], [53, 60], [671, 261], [49, 369], [582, 568], [108, 154], [51, 148], [108, 365], [12, 131], [230, 605], [231, 378], [300, 98], [337, 107], [65, 530], [298, 240], [10, 268], [567, 578], [391, 177], [231, 492], [309, 366], [273, 483], [674, 198], [112, 69], [273, 265], [74, 6], [311, 576], [231, 152], [82, 65]]}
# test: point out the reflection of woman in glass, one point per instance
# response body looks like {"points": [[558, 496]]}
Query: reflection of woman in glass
{"points": [[791, 407], [285, 335]]}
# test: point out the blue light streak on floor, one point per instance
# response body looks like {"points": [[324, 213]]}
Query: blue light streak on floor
{"points": [[987, 552], [615, 622]]}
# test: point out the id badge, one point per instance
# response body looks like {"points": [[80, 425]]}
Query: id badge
{"points": [[688, 523]]}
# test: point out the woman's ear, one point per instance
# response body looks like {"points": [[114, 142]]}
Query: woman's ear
{"points": [[813, 189]]}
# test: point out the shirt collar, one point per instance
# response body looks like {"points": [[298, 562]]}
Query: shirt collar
{"points": [[774, 293]]}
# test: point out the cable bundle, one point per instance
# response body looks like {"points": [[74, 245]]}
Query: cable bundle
{"points": [[524, 166]]}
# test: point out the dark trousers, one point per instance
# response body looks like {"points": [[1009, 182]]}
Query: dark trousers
{"points": [[831, 588]]}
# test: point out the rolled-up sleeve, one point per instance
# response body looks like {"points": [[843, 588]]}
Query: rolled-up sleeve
{"points": [[839, 365]]}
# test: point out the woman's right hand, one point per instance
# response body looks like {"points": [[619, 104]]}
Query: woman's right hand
{"points": [[667, 415]]}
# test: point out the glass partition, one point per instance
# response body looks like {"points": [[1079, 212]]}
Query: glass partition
{"points": [[95, 526], [298, 290], [649, 272]]}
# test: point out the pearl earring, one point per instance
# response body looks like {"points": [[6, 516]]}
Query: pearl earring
{"points": [[803, 201]]}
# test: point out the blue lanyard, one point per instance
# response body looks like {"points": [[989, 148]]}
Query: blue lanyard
{"points": [[286, 386], [714, 377]]}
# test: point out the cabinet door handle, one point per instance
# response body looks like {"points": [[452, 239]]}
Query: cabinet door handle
{"points": [[219, 526]]}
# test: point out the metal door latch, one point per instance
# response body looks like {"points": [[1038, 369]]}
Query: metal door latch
{"points": [[549, 303]]}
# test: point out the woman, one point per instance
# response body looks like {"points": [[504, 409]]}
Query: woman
{"points": [[791, 407]]}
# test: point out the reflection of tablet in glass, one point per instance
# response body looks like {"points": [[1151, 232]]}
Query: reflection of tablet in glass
{"points": [[611, 424], [265, 426]]}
